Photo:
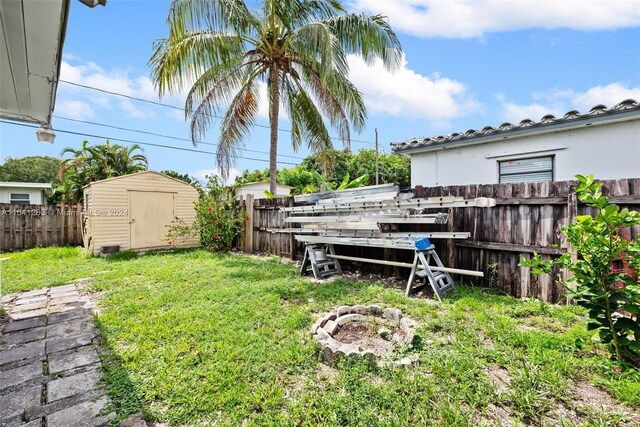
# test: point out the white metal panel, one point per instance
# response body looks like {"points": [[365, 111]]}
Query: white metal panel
{"points": [[535, 169], [32, 35]]}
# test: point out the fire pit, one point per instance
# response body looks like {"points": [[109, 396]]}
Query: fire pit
{"points": [[368, 332]]}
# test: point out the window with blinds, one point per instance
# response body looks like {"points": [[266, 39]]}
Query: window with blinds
{"points": [[534, 169], [18, 198]]}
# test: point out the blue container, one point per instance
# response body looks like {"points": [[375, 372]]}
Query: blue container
{"points": [[422, 244]]}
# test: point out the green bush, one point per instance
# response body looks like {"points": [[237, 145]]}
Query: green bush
{"points": [[605, 272], [218, 219]]}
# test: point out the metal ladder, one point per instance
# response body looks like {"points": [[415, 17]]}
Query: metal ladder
{"points": [[440, 282], [321, 267]]}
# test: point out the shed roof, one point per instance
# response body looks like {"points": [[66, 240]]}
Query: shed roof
{"points": [[136, 174], [624, 111]]}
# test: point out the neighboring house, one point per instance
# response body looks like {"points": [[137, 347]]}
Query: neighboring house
{"points": [[257, 189], [26, 193], [604, 142]]}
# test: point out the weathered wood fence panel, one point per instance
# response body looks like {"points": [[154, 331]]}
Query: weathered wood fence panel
{"points": [[527, 218], [29, 226]]}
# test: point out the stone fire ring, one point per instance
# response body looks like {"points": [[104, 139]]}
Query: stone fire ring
{"points": [[327, 326]]}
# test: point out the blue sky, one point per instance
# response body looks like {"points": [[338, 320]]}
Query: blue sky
{"points": [[468, 64]]}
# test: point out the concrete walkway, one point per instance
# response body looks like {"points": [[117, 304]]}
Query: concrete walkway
{"points": [[49, 367]]}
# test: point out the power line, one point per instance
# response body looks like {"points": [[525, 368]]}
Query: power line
{"points": [[161, 104], [193, 150], [162, 135]]}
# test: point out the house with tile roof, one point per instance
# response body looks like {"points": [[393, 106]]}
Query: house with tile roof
{"points": [[604, 142]]}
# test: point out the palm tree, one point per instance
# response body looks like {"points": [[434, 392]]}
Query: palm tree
{"points": [[222, 50], [93, 163]]}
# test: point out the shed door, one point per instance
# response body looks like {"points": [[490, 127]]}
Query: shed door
{"points": [[149, 214]]}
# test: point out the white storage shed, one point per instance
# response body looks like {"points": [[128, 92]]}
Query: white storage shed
{"points": [[132, 212]]}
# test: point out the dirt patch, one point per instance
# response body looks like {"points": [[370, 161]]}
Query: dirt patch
{"points": [[498, 416], [326, 373], [542, 323], [488, 343], [586, 402], [593, 400], [365, 335], [560, 414], [526, 328], [499, 378]]}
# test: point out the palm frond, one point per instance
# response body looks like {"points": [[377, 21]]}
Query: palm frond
{"points": [[317, 43], [296, 13], [178, 60], [222, 93], [236, 124], [219, 85], [370, 37], [328, 102], [303, 110], [218, 15]]}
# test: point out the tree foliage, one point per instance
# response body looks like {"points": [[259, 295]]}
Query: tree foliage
{"points": [[605, 272], [223, 51], [218, 218], [393, 169], [42, 169], [184, 177], [92, 163]]}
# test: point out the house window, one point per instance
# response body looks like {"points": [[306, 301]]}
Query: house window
{"points": [[21, 198], [533, 169]]}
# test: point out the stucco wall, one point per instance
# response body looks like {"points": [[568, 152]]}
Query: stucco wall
{"points": [[257, 190], [608, 151], [35, 194]]}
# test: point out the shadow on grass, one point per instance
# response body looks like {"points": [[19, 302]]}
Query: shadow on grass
{"points": [[332, 291], [124, 396], [133, 255]]}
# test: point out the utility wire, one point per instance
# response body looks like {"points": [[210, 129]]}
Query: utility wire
{"points": [[163, 136], [193, 150], [161, 104]]}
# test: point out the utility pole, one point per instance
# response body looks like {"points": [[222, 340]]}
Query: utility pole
{"points": [[377, 164]]}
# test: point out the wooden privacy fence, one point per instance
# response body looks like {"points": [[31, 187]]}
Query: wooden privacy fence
{"points": [[30, 226], [527, 218]]}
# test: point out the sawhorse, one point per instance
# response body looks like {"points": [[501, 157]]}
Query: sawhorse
{"points": [[440, 281], [321, 266]]}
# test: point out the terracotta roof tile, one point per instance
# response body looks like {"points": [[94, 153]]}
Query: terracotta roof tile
{"points": [[549, 119]]}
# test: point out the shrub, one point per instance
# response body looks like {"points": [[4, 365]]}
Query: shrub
{"points": [[218, 219], [605, 272]]}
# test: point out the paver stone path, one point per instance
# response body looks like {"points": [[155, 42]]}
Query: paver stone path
{"points": [[49, 366]]}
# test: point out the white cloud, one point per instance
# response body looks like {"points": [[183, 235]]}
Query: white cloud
{"points": [[112, 80], [410, 94], [134, 111], [176, 115], [474, 18], [75, 109], [558, 102], [202, 174], [608, 95]]}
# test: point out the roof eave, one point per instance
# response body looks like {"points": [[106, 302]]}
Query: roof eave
{"points": [[537, 129]]}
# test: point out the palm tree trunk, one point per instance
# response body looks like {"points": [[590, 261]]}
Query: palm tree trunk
{"points": [[273, 121]]}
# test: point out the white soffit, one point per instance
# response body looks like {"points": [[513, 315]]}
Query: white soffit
{"points": [[31, 38]]}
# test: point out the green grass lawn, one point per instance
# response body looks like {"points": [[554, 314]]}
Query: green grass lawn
{"points": [[194, 338]]}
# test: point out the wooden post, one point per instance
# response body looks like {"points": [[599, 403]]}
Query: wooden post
{"points": [[248, 242], [451, 248], [572, 213], [292, 241]]}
